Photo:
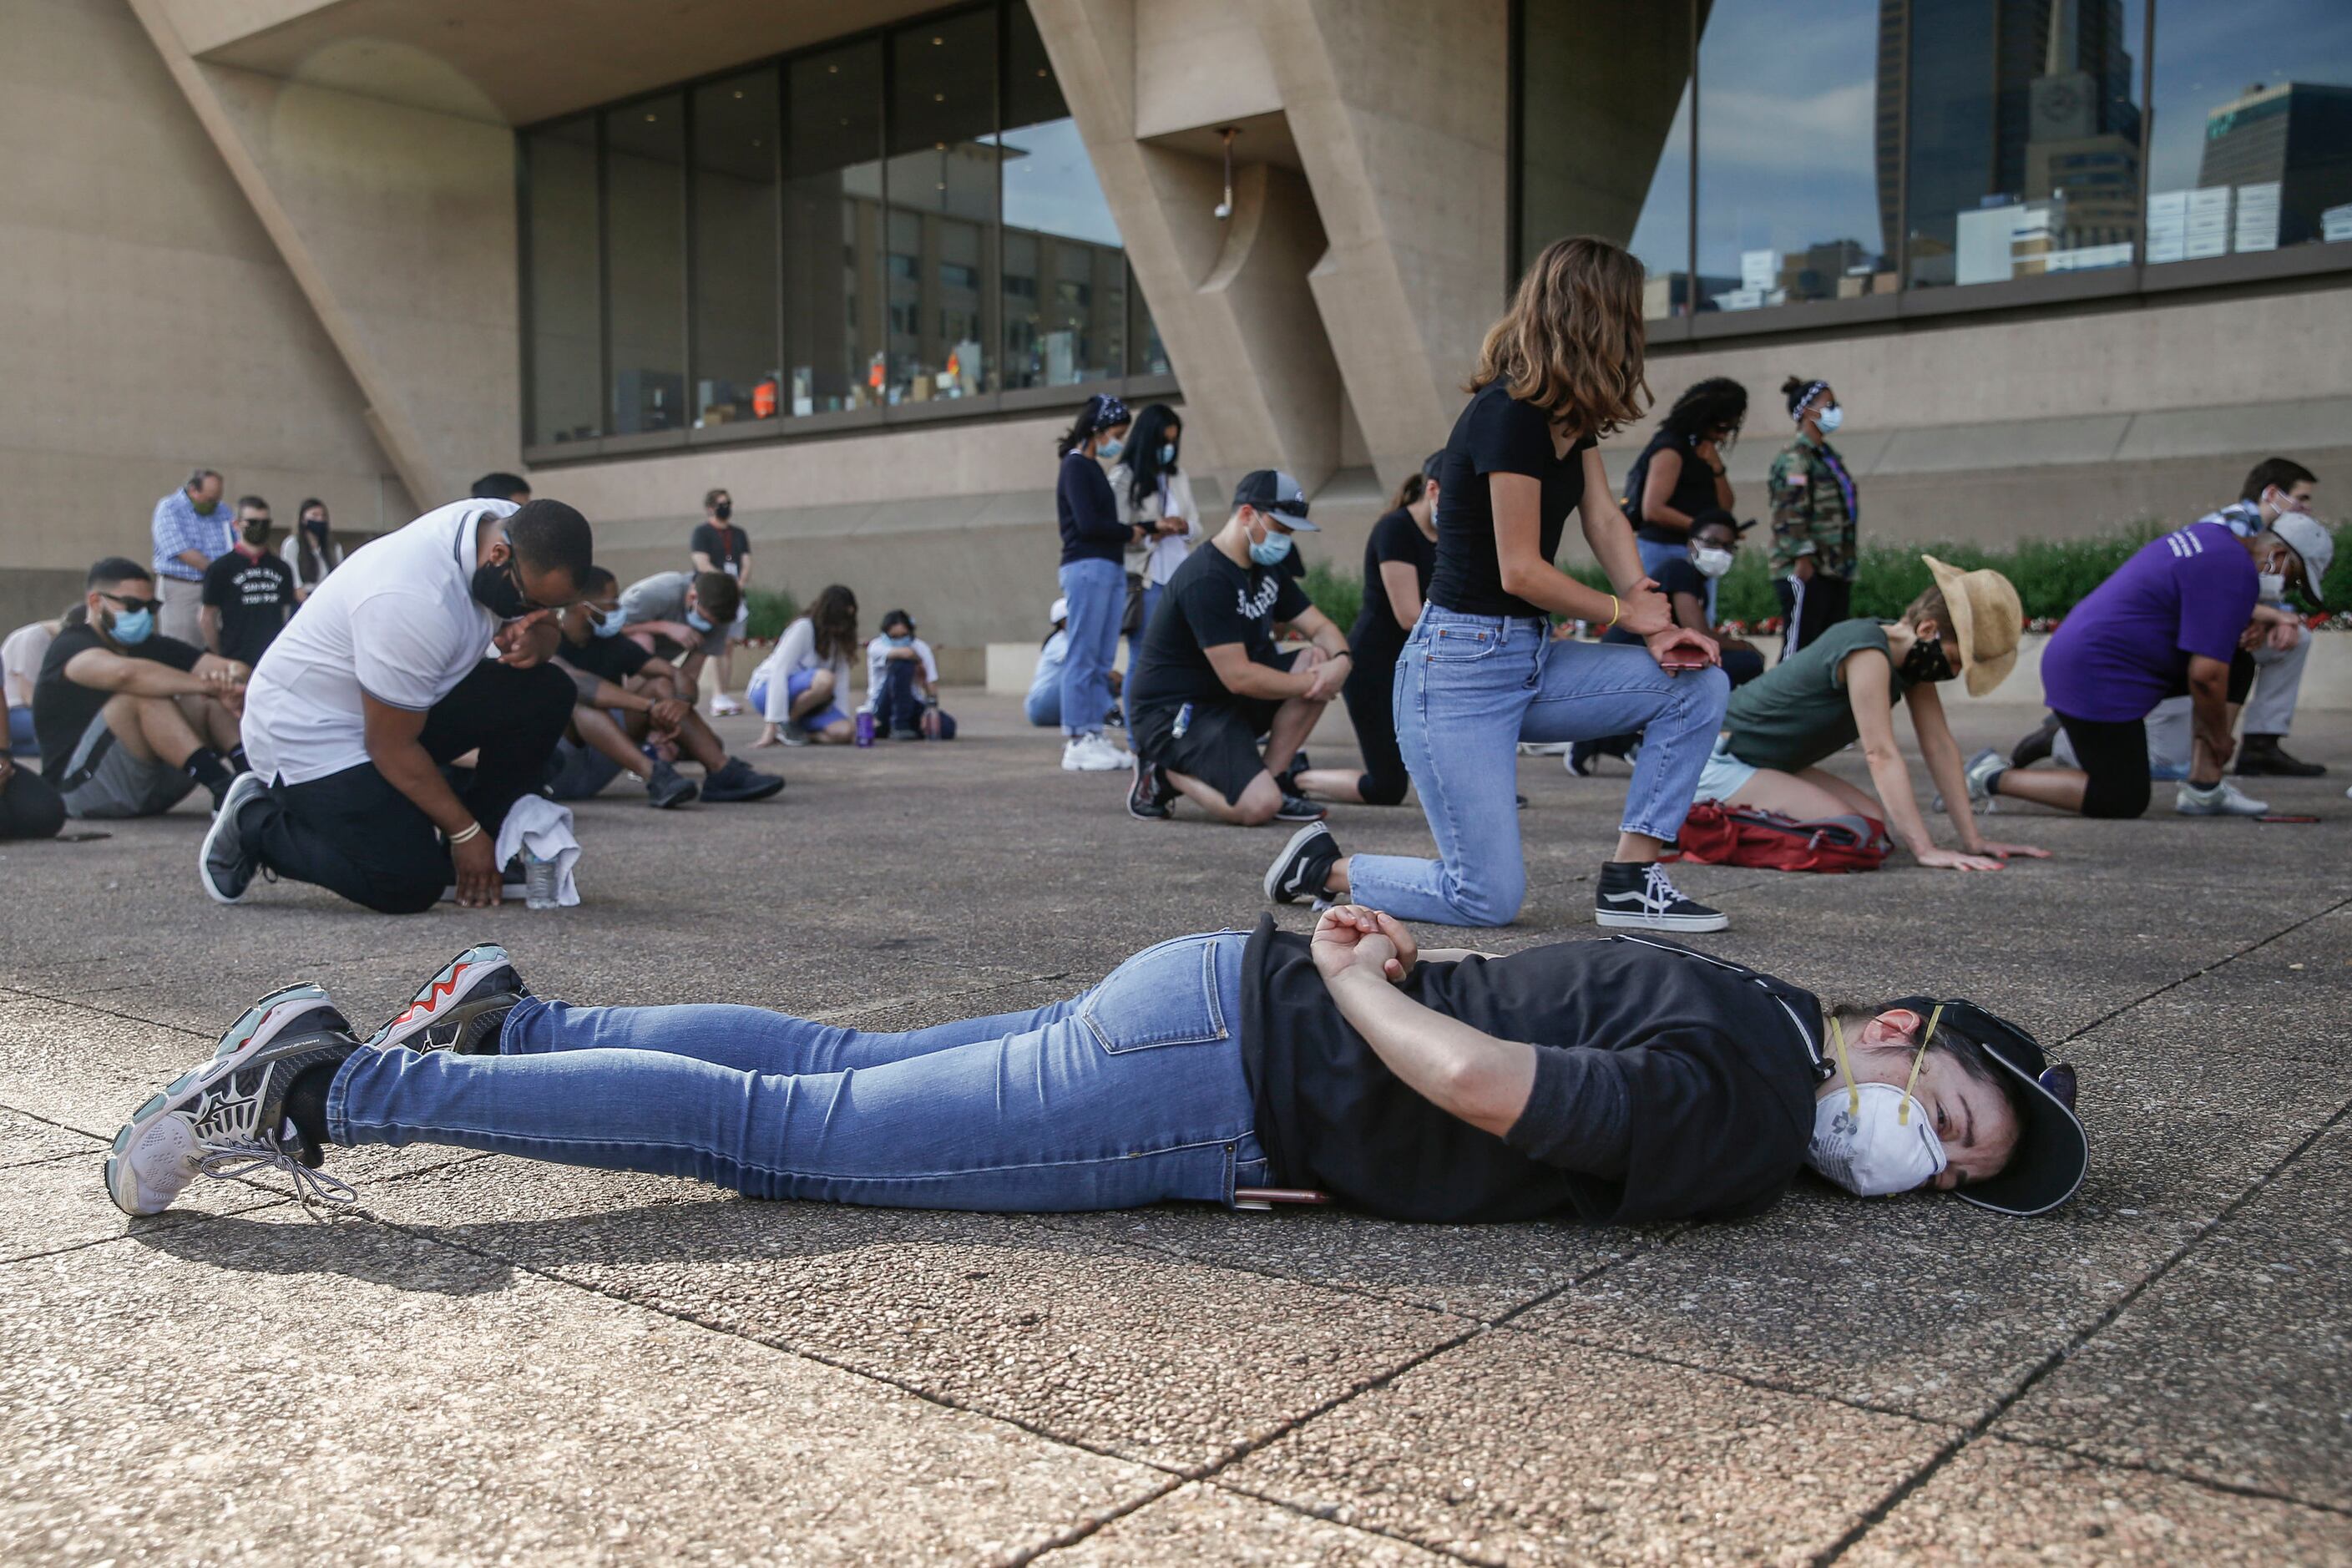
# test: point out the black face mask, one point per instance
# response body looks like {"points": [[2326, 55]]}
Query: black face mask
{"points": [[723, 510], [496, 590], [317, 526], [1925, 663], [256, 533]]}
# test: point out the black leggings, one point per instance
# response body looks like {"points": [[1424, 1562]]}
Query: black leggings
{"points": [[2114, 753], [30, 807], [1370, 694]]}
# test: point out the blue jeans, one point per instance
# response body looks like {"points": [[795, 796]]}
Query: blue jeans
{"points": [[1097, 592], [1130, 1093], [1468, 689]]}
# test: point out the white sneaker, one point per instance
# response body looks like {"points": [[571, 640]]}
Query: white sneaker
{"points": [[2221, 799], [1093, 754], [725, 707]]}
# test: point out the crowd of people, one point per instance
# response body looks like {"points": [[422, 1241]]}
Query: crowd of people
{"points": [[368, 721]]}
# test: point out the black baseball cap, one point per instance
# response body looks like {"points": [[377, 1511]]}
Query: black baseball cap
{"points": [[2052, 1155], [1272, 491]]}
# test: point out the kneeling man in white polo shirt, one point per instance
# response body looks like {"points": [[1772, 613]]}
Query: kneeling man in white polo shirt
{"points": [[427, 644]]}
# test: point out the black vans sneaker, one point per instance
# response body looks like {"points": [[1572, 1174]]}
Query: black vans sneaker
{"points": [[1297, 874], [1149, 796], [461, 1009], [1298, 808], [1643, 897]]}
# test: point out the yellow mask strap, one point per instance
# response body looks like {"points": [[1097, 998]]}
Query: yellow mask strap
{"points": [[1903, 1117], [1853, 1089]]}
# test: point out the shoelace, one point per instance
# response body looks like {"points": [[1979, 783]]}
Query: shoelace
{"points": [[319, 1193], [1659, 893]]}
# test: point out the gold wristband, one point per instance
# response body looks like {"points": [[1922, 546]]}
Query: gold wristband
{"points": [[1616, 610]]}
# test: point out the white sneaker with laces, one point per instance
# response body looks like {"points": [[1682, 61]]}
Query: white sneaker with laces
{"points": [[1093, 754], [2221, 799], [725, 707]]}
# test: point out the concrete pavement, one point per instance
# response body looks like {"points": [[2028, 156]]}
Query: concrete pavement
{"points": [[506, 1361]]}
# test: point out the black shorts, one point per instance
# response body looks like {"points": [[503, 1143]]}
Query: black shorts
{"points": [[1219, 745]]}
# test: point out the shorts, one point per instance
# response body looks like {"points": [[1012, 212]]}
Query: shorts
{"points": [[795, 684], [579, 772], [2113, 754], [1219, 747], [1724, 776], [104, 780]]}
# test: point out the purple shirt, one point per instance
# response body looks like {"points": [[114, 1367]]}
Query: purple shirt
{"points": [[2127, 647]]}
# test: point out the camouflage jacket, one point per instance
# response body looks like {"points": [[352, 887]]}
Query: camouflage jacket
{"points": [[1813, 510]]}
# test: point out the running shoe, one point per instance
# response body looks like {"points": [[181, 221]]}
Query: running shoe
{"points": [[226, 1115], [739, 780], [1298, 808], [227, 864], [1149, 796], [668, 789], [1643, 897], [2221, 798], [1983, 773], [1093, 754], [1299, 873], [2035, 747], [460, 1009]]}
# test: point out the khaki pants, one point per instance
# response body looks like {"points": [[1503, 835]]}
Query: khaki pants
{"points": [[183, 602]]}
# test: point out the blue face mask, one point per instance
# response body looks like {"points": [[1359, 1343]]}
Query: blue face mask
{"points": [[608, 623], [907, 641], [131, 628], [700, 622], [1109, 448], [1272, 550], [1831, 417], [1168, 456]]}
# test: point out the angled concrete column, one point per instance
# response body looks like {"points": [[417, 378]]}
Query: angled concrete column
{"points": [[399, 226], [1404, 151]]}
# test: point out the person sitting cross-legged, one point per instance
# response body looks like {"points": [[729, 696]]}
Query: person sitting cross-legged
{"points": [[628, 699], [129, 719], [1211, 680], [902, 684]]}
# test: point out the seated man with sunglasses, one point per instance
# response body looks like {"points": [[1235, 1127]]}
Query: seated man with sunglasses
{"points": [[430, 642], [129, 720]]}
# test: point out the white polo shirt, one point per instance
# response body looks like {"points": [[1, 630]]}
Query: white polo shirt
{"points": [[398, 620]]}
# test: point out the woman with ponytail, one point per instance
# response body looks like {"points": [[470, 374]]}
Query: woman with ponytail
{"points": [[1094, 580]]}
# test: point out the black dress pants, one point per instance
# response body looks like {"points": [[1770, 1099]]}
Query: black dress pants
{"points": [[353, 833]]}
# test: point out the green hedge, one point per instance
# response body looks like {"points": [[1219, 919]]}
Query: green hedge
{"points": [[2051, 576], [772, 609]]}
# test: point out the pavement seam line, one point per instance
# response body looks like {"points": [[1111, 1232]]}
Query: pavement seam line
{"points": [[2225, 960], [2074, 1344], [115, 1013], [2147, 1467]]}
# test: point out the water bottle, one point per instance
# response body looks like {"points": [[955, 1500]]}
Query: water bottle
{"points": [[538, 881], [865, 726]]}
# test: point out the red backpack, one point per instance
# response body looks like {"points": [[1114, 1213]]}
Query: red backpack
{"points": [[1718, 834]]}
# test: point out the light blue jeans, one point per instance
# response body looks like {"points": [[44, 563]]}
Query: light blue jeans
{"points": [[1097, 592], [1128, 1094], [1468, 689]]}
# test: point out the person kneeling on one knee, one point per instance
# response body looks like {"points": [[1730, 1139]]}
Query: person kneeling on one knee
{"points": [[1211, 680], [1843, 685]]}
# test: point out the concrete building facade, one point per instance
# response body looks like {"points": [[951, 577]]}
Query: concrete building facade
{"points": [[368, 249]]}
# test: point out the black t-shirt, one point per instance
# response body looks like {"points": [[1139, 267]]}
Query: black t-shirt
{"points": [[1395, 537], [1693, 491], [254, 598], [62, 709], [614, 658], [1680, 575], [725, 543], [1497, 434], [1207, 602], [1715, 1067]]}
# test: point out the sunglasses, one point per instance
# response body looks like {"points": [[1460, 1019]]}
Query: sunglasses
{"points": [[134, 606]]}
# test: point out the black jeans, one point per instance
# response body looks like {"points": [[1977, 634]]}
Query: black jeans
{"points": [[1809, 609], [1370, 696], [353, 833], [30, 806]]}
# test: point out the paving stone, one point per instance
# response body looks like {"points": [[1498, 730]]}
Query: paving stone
{"points": [[1198, 1523]]}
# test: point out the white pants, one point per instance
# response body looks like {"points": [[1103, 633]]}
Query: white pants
{"points": [[183, 604]]}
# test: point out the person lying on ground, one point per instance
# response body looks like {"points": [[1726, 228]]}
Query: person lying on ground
{"points": [[627, 701], [1844, 685], [130, 720], [1211, 682], [1616, 1081]]}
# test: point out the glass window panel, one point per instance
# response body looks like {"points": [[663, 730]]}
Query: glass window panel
{"points": [[1065, 286], [943, 179], [2252, 148], [2024, 132], [1151, 354], [832, 231], [645, 249], [736, 376], [1789, 193], [566, 355], [1604, 133]]}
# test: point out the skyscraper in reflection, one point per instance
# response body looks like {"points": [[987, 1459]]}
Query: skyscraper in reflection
{"points": [[2293, 136]]}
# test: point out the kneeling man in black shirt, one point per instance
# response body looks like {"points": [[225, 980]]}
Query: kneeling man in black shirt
{"points": [[1617, 1081], [1209, 684]]}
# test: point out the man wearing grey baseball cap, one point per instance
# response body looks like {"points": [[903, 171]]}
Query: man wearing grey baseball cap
{"points": [[1210, 681]]}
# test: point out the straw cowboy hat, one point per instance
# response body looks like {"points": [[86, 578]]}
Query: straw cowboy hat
{"points": [[1986, 620]]}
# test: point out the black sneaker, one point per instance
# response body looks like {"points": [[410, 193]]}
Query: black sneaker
{"points": [[1297, 874], [1643, 897], [1149, 796], [668, 788], [225, 866], [739, 780], [226, 1115], [460, 1009], [1581, 755], [1298, 808], [1288, 777], [2035, 747]]}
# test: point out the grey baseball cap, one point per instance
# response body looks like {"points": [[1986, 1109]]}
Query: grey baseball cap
{"points": [[1272, 491]]}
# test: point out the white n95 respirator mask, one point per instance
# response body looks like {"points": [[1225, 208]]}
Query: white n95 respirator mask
{"points": [[1874, 1141]]}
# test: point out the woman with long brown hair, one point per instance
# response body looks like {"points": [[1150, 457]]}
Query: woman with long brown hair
{"points": [[800, 688], [1481, 670]]}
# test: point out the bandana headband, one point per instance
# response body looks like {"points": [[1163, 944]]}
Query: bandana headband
{"points": [[1805, 400]]}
